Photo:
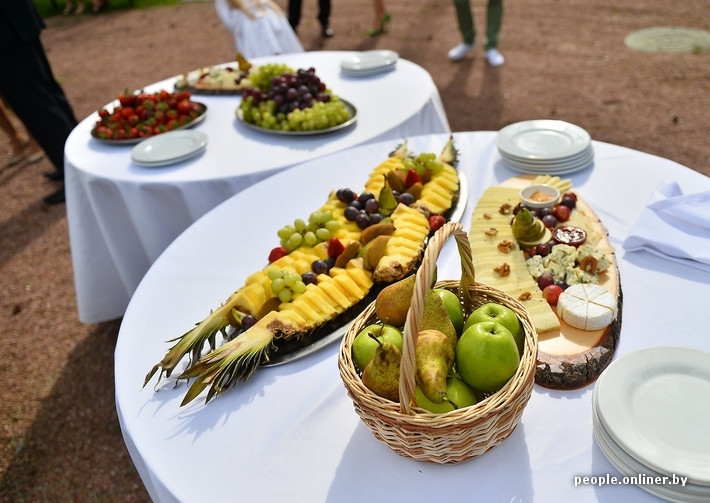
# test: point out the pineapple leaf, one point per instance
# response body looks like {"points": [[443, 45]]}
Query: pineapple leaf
{"points": [[192, 342], [234, 361]]}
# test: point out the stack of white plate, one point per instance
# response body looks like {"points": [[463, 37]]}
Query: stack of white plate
{"points": [[651, 416], [364, 64], [545, 147], [168, 148]]}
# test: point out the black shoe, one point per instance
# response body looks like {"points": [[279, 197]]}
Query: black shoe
{"points": [[56, 197], [326, 32], [55, 176]]}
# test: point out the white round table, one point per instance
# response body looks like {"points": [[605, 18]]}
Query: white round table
{"points": [[290, 433], [122, 216]]}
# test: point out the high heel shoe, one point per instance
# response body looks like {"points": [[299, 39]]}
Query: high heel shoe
{"points": [[374, 32]]}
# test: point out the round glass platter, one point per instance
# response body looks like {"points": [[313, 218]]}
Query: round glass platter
{"points": [[133, 141]]}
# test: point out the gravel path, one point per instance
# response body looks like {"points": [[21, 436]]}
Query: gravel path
{"points": [[565, 59]]}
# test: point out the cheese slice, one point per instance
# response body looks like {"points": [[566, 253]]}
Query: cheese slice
{"points": [[587, 306], [490, 227]]}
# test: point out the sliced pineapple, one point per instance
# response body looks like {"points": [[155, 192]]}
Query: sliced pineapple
{"points": [[334, 293]]}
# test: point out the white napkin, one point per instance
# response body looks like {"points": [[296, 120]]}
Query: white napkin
{"points": [[674, 226]]}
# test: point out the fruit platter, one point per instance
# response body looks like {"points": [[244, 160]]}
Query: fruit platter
{"points": [[217, 80], [285, 101], [323, 269], [557, 260], [141, 115]]}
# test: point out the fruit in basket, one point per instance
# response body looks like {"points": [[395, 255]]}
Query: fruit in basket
{"points": [[381, 375], [435, 316], [434, 358], [392, 303], [364, 345], [454, 308], [493, 311], [458, 395], [487, 356], [333, 285]]}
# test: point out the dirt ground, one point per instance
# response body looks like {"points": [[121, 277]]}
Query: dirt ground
{"points": [[565, 59]]}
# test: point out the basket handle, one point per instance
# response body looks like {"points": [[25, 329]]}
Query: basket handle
{"points": [[424, 278]]}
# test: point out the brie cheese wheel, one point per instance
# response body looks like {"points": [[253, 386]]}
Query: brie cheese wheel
{"points": [[587, 306]]}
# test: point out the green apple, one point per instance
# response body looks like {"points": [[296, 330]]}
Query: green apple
{"points": [[459, 394], [453, 306], [487, 356], [364, 346], [493, 311]]}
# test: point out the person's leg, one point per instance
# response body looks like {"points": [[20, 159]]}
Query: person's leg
{"points": [[17, 140], [464, 17], [294, 13], [494, 20], [37, 99], [324, 18]]}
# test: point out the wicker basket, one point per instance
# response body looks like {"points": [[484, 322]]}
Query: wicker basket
{"points": [[464, 433]]}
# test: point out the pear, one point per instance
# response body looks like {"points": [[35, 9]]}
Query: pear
{"points": [[435, 316], [527, 227], [387, 200], [392, 303], [381, 375], [434, 359]]}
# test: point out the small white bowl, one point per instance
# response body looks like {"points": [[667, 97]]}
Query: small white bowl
{"points": [[539, 196]]}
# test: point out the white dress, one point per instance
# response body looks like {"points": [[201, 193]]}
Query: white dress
{"points": [[263, 31]]}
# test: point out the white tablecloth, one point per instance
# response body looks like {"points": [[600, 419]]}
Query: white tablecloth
{"points": [[122, 216], [290, 433]]}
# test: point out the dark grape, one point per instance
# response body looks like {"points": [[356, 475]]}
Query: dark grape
{"points": [[365, 196], [309, 277], [248, 321], [351, 213], [319, 267], [362, 220], [550, 221], [569, 202], [543, 249], [375, 218], [542, 212], [345, 195], [406, 198], [371, 206]]}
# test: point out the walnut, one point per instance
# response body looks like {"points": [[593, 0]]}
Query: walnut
{"points": [[588, 264], [503, 270], [525, 296], [505, 209], [491, 232], [487, 216], [506, 246]]}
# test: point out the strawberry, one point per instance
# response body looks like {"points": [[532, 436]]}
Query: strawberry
{"points": [[335, 247], [412, 178], [435, 222], [277, 253]]}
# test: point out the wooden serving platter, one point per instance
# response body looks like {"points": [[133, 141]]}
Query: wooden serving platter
{"points": [[568, 357]]}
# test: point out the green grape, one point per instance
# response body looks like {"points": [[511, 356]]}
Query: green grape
{"points": [[299, 224], [299, 287], [274, 274], [310, 238], [285, 295], [294, 241], [323, 234], [290, 279], [332, 225], [285, 232], [278, 285]]}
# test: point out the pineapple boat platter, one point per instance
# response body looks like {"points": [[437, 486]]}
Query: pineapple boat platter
{"points": [[322, 270]]}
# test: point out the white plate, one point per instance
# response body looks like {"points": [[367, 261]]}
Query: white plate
{"points": [[629, 466], [655, 403], [168, 148], [542, 139], [369, 61], [551, 168]]}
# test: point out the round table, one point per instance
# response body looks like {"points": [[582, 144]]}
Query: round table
{"points": [[122, 216], [290, 433]]}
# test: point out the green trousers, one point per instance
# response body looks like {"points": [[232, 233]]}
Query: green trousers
{"points": [[494, 19]]}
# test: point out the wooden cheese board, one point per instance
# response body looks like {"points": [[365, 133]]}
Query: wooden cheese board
{"points": [[570, 358]]}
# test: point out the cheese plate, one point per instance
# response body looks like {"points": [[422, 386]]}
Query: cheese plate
{"points": [[568, 357]]}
